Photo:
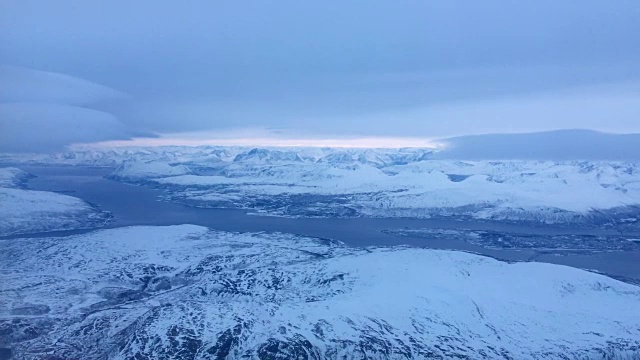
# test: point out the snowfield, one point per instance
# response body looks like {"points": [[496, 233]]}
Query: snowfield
{"points": [[186, 292], [26, 211]]}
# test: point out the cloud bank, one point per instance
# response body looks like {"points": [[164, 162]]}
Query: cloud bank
{"points": [[327, 70], [548, 145], [44, 127], [43, 111]]}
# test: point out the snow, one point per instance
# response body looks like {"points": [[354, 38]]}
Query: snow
{"points": [[136, 169], [28, 211], [487, 189], [26, 203], [209, 155], [12, 177], [372, 182], [236, 294]]}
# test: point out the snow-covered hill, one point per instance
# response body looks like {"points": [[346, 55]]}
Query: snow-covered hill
{"points": [[185, 292], [26, 211]]}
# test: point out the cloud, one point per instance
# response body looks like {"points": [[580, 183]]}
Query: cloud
{"points": [[42, 127], [549, 145], [608, 108], [611, 108], [272, 137], [22, 84], [43, 111], [416, 106], [328, 69], [437, 103]]}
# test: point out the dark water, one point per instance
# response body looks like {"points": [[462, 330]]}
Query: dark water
{"points": [[136, 205]]}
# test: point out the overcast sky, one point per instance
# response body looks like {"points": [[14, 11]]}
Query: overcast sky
{"points": [[84, 71]]}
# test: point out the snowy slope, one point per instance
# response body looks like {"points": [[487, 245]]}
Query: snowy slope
{"points": [[12, 177], [149, 170], [185, 292], [26, 211]]}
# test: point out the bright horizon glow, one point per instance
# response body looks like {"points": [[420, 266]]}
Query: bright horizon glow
{"points": [[363, 142]]}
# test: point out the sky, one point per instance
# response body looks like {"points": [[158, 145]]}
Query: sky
{"points": [[327, 72]]}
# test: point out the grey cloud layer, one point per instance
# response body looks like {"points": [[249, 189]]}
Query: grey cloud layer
{"points": [[43, 111], [378, 68], [20, 84], [28, 127]]}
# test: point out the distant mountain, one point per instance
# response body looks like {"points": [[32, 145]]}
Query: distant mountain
{"points": [[383, 183], [408, 182], [198, 156], [549, 145], [266, 155]]}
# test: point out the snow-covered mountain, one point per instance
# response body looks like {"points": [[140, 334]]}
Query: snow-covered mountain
{"points": [[210, 155], [186, 292], [375, 182], [390, 184], [26, 211]]}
